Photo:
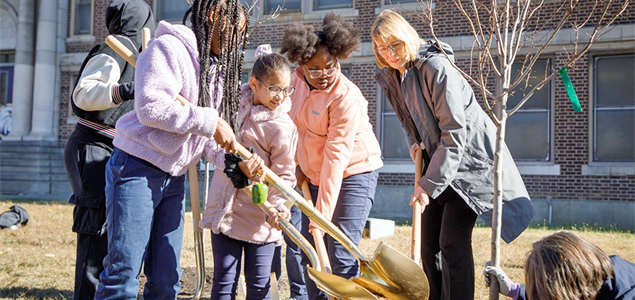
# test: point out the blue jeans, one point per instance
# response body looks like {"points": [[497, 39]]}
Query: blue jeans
{"points": [[144, 210], [227, 260], [357, 196], [293, 259]]}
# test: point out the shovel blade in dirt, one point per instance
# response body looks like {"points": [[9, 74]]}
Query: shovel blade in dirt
{"points": [[339, 287], [393, 275]]}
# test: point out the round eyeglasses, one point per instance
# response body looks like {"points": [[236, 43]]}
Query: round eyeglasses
{"points": [[275, 90], [318, 73], [396, 47]]}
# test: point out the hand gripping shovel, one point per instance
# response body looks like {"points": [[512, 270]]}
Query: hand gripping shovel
{"points": [[390, 273], [334, 286]]}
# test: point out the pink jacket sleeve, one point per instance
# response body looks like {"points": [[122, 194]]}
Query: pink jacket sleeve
{"points": [[282, 162], [343, 124]]}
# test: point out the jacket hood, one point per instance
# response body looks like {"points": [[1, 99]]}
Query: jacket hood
{"points": [[429, 50], [128, 18], [182, 33]]}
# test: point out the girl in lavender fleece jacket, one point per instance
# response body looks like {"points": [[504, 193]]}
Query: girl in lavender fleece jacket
{"points": [[236, 224], [145, 188]]}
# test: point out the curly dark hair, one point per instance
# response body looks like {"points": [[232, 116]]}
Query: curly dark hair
{"points": [[341, 38]]}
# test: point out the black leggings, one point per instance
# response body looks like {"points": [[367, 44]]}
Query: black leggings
{"points": [[446, 247]]}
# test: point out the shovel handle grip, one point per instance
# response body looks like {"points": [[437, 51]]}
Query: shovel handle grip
{"points": [[318, 235], [195, 199], [415, 247], [145, 38]]}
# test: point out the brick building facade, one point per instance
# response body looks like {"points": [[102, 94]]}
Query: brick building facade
{"points": [[583, 162]]}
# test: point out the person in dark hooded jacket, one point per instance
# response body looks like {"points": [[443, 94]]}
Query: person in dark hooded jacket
{"points": [[103, 93], [440, 115], [565, 266]]}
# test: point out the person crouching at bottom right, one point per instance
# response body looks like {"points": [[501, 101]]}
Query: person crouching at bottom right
{"points": [[564, 266]]}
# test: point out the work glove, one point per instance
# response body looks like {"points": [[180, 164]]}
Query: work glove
{"points": [[123, 92], [233, 172], [126, 91], [506, 285]]}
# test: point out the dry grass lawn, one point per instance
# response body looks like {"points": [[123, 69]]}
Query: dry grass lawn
{"points": [[37, 260]]}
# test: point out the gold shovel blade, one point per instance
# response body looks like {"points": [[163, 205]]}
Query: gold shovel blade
{"points": [[339, 287], [406, 278]]}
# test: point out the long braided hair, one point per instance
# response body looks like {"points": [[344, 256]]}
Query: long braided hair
{"points": [[227, 15]]}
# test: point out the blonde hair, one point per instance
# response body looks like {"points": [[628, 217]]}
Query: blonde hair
{"points": [[390, 25], [564, 266]]}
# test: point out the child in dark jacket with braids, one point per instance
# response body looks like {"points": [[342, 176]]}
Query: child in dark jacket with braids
{"points": [[145, 188]]}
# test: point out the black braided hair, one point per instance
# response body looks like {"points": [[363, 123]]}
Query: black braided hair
{"points": [[228, 13]]}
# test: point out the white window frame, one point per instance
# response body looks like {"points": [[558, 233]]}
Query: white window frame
{"points": [[595, 167], [306, 13], [156, 8], [73, 19], [551, 119], [406, 8], [260, 6]]}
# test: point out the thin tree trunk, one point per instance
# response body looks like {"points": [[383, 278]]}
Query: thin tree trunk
{"points": [[498, 193]]}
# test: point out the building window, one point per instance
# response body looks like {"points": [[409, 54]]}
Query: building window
{"points": [[6, 85], [171, 10], [244, 76], [394, 146], [7, 60], [614, 108], [331, 4], [397, 2], [73, 83], [533, 119], [286, 6], [346, 71], [83, 17]]}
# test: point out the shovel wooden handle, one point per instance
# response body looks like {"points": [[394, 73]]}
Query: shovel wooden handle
{"points": [[318, 235], [415, 247], [195, 198], [131, 58], [145, 38]]}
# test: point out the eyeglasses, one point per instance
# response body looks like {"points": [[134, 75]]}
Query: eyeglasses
{"points": [[396, 47], [318, 73], [274, 90]]}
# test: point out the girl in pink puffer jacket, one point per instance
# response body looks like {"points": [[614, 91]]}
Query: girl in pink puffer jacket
{"points": [[237, 224]]}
